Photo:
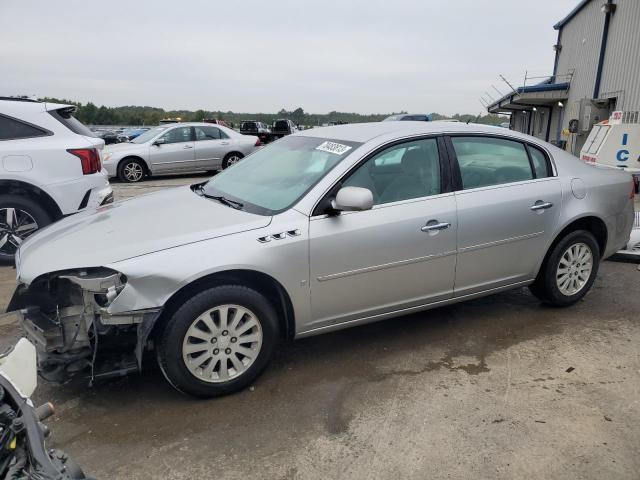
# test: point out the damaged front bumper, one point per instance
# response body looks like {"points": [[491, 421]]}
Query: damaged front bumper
{"points": [[66, 315]]}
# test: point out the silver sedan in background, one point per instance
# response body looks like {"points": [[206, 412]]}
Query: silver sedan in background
{"points": [[324, 229], [178, 148]]}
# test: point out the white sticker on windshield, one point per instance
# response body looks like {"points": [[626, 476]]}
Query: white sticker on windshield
{"points": [[333, 147]]}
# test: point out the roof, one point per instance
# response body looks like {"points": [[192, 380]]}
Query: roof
{"points": [[572, 13], [12, 106], [545, 86], [364, 132]]}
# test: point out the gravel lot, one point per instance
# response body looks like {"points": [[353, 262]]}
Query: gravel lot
{"points": [[496, 388]]}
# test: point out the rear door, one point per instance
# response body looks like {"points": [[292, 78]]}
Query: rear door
{"points": [[176, 153], [508, 206], [211, 144]]}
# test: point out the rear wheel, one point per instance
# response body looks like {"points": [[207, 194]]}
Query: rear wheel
{"points": [[569, 271], [20, 217], [131, 170], [231, 159], [219, 341]]}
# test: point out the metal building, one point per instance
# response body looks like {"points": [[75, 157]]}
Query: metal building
{"points": [[596, 71]]}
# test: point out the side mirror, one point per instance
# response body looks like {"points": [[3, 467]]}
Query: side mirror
{"points": [[159, 141], [353, 199]]}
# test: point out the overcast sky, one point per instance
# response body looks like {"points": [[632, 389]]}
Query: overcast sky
{"points": [[366, 56]]}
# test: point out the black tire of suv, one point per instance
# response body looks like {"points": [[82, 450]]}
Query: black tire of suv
{"points": [[545, 287], [225, 163], [128, 161], [28, 205], [169, 350]]}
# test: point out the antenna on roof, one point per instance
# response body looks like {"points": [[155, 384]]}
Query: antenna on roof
{"points": [[507, 82]]}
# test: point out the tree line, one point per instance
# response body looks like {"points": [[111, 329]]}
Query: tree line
{"points": [[91, 114]]}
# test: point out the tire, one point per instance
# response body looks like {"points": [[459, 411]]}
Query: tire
{"points": [[131, 170], [231, 158], [188, 346], [17, 213], [562, 281]]}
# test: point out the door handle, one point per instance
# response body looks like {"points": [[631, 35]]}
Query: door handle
{"points": [[186, 147], [224, 143], [435, 226], [540, 205]]}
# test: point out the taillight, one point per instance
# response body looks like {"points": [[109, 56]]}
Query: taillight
{"points": [[258, 142], [89, 158], [635, 186]]}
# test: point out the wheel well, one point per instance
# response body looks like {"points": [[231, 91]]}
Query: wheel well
{"points": [[8, 187], [591, 224], [140, 159], [234, 152], [261, 282]]}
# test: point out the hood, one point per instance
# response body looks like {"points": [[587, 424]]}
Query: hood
{"points": [[118, 148], [131, 228]]}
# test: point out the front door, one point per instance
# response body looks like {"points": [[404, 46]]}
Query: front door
{"points": [[397, 255], [508, 208], [176, 153]]}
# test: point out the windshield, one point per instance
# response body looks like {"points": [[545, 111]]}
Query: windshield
{"points": [[275, 177], [148, 135], [392, 118]]}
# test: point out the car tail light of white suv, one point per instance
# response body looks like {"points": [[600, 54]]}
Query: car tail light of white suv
{"points": [[89, 158]]}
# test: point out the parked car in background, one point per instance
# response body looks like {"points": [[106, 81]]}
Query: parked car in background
{"points": [[283, 127], [131, 133], [323, 229], [258, 129], [50, 167], [408, 117], [215, 121], [615, 144], [109, 136], [177, 148]]}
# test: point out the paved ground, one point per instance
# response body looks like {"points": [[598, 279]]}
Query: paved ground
{"points": [[497, 388]]}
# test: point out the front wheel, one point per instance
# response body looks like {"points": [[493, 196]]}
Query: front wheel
{"points": [[219, 341], [569, 271]]}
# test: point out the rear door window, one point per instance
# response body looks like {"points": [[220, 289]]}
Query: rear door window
{"points": [[540, 163], [486, 161], [12, 129], [207, 133]]}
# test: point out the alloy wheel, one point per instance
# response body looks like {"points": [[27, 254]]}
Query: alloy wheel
{"points": [[15, 226], [133, 172], [233, 159], [222, 343], [574, 268]]}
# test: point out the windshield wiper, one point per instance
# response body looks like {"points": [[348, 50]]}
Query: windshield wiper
{"points": [[224, 200]]}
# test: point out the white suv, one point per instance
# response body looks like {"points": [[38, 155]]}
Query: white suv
{"points": [[50, 167]]}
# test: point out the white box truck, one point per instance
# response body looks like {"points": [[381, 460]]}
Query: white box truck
{"points": [[615, 143]]}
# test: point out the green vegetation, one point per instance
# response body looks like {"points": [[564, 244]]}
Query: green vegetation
{"points": [[91, 114]]}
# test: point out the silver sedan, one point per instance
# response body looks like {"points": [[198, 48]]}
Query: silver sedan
{"points": [[177, 148], [325, 229]]}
